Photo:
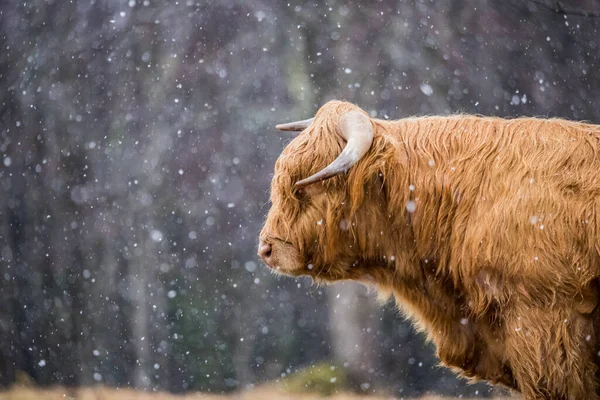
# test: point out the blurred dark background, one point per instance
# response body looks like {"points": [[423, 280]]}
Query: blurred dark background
{"points": [[136, 149]]}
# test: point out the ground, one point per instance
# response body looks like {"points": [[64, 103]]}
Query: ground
{"points": [[104, 393]]}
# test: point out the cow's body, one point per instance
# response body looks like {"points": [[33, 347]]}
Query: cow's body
{"points": [[485, 230]]}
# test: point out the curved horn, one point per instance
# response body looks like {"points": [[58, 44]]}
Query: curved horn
{"points": [[356, 128], [295, 126]]}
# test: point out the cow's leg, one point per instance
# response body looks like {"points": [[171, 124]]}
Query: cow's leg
{"points": [[476, 351], [551, 353], [595, 320], [468, 344]]}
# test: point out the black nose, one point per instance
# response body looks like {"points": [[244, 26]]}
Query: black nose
{"points": [[264, 251]]}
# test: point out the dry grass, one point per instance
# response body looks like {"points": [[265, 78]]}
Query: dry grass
{"points": [[105, 393]]}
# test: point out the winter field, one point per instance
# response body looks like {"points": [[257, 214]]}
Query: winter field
{"points": [[104, 393], [137, 148]]}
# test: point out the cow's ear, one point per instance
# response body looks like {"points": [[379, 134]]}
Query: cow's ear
{"points": [[367, 181]]}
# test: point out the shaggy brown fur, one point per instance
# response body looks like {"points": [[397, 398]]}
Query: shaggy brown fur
{"points": [[498, 263]]}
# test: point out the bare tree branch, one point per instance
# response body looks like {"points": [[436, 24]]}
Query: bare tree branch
{"points": [[559, 8]]}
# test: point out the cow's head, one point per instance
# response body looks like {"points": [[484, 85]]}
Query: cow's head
{"points": [[320, 222]]}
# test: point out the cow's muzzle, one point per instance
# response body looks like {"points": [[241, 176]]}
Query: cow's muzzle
{"points": [[265, 252]]}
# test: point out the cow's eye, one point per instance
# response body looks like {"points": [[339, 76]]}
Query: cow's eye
{"points": [[299, 193], [308, 192]]}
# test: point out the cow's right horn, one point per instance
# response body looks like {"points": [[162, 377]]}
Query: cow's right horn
{"points": [[357, 129], [295, 126]]}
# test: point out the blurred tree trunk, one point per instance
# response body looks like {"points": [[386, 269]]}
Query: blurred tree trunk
{"points": [[139, 297], [8, 331], [355, 317]]}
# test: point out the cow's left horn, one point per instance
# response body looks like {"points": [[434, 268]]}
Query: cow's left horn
{"points": [[295, 126], [356, 128]]}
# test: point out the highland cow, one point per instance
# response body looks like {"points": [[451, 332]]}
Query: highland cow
{"points": [[484, 230]]}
